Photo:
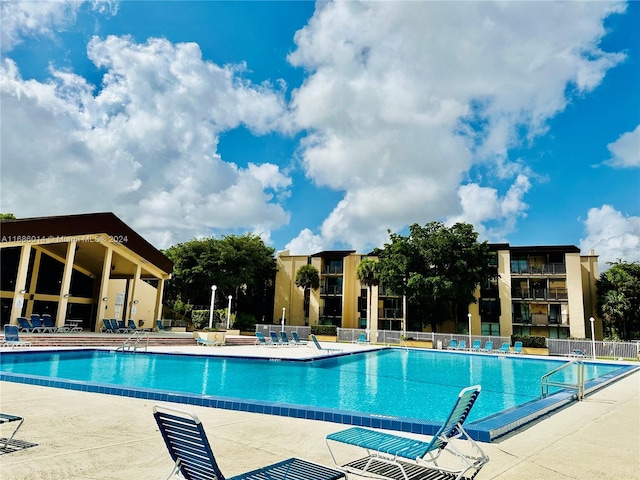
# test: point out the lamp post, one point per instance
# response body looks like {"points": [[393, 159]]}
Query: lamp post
{"points": [[593, 337], [469, 315], [213, 302], [229, 313], [282, 320]]}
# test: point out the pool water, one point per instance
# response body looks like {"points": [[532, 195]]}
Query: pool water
{"points": [[415, 384]]}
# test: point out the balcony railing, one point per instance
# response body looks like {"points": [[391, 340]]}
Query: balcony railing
{"points": [[546, 269], [540, 293], [540, 319], [388, 313], [332, 270]]}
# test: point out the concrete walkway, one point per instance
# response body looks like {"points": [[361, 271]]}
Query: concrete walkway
{"points": [[92, 436]]}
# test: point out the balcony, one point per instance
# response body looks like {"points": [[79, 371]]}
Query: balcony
{"points": [[332, 270], [540, 320], [389, 313], [331, 290], [546, 269], [540, 293]]}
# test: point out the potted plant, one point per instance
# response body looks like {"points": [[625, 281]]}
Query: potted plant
{"points": [[200, 320]]}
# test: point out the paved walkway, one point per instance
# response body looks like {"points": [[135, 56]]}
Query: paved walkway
{"points": [[92, 436]]}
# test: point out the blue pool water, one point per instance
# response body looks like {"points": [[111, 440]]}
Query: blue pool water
{"points": [[417, 386]]}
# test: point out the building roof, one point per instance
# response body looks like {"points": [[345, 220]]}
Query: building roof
{"points": [[84, 224]]}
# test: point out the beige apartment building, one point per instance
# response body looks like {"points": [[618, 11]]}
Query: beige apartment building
{"points": [[538, 290]]}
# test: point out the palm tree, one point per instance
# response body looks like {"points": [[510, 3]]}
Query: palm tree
{"points": [[307, 278], [367, 273], [615, 308]]}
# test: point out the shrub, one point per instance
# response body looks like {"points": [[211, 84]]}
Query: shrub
{"points": [[200, 319], [330, 330], [530, 342]]}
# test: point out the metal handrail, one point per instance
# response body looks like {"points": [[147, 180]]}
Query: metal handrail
{"points": [[545, 383], [127, 345]]}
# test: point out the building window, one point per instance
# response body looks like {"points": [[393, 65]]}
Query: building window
{"points": [[490, 329]]}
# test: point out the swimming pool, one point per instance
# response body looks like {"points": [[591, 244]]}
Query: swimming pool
{"points": [[390, 388]]}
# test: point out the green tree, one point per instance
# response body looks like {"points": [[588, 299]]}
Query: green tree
{"points": [[7, 216], [437, 268], [307, 278], [241, 266], [367, 273], [618, 291]]}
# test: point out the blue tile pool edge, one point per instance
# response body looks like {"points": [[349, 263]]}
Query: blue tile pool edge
{"points": [[486, 429]]}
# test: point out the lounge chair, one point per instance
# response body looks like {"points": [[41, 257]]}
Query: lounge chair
{"points": [[395, 457], [36, 322], [48, 323], [6, 418], [275, 340], [295, 339], [263, 341], [453, 344], [284, 339], [24, 325], [517, 347], [576, 353], [106, 326], [206, 343], [362, 338], [12, 337], [122, 327], [193, 457], [159, 326], [504, 348], [476, 346], [488, 347], [321, 348], [462, 345]]}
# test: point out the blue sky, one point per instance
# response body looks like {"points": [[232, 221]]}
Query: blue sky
{"points": [[322, 126]]}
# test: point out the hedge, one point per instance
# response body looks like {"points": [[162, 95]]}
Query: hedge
{"points": [[530, 342], [330, 330]]}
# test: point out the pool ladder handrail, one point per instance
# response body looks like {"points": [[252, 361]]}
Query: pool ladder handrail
{"points": [[132, 342], [545, 383]]}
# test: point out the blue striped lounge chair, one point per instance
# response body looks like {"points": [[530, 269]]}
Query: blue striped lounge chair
{"points": [[295, 339], [193, 457], [504, 348], [37, 324], [476, 345], [263, 341], [24, 325], [398, 457], [48, 323], [12, 337], [321, 348], [488, 347], [453, 344], [517, 347]]}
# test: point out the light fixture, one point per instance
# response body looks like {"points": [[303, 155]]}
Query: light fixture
{"points": [[23, 291], [135, 302], [105, 299], [66, 295]]}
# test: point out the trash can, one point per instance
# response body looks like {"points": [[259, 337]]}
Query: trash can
{"points": [[439, 344]]}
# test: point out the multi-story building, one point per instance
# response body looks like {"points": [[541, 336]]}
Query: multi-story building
{"points": [[540, 290]]}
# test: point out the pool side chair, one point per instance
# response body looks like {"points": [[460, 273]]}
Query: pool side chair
{"points": [[476, 346], [295, 339], [36, 322], [504, 348], [453, 344], [462, 345], [488, 347], [12, 338], [362, 339], [517, 348], [7, 418], [263, 341], [321, 348], [207, 343], [397, 457], [48, 323], [284, 339], [106, 326], [275, 340], [576, 353], [159, 326], [24, 325], [193, 457]]}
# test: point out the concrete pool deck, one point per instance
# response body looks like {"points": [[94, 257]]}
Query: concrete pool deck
{"points": [[92, 436]]}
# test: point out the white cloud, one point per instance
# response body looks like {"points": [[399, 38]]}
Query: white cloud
{"points": [[305, 243], [612, 235], [625, 151], [22, 19], [143, 146], [403, 98]]}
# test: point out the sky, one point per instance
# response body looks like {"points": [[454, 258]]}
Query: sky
{"points": [[327, 125]]}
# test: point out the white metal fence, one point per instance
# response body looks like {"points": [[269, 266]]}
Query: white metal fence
{"points": [[439, 340], [615, 350]]}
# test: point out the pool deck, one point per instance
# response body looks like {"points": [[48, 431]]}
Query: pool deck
{"points": [[91, 436]]}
